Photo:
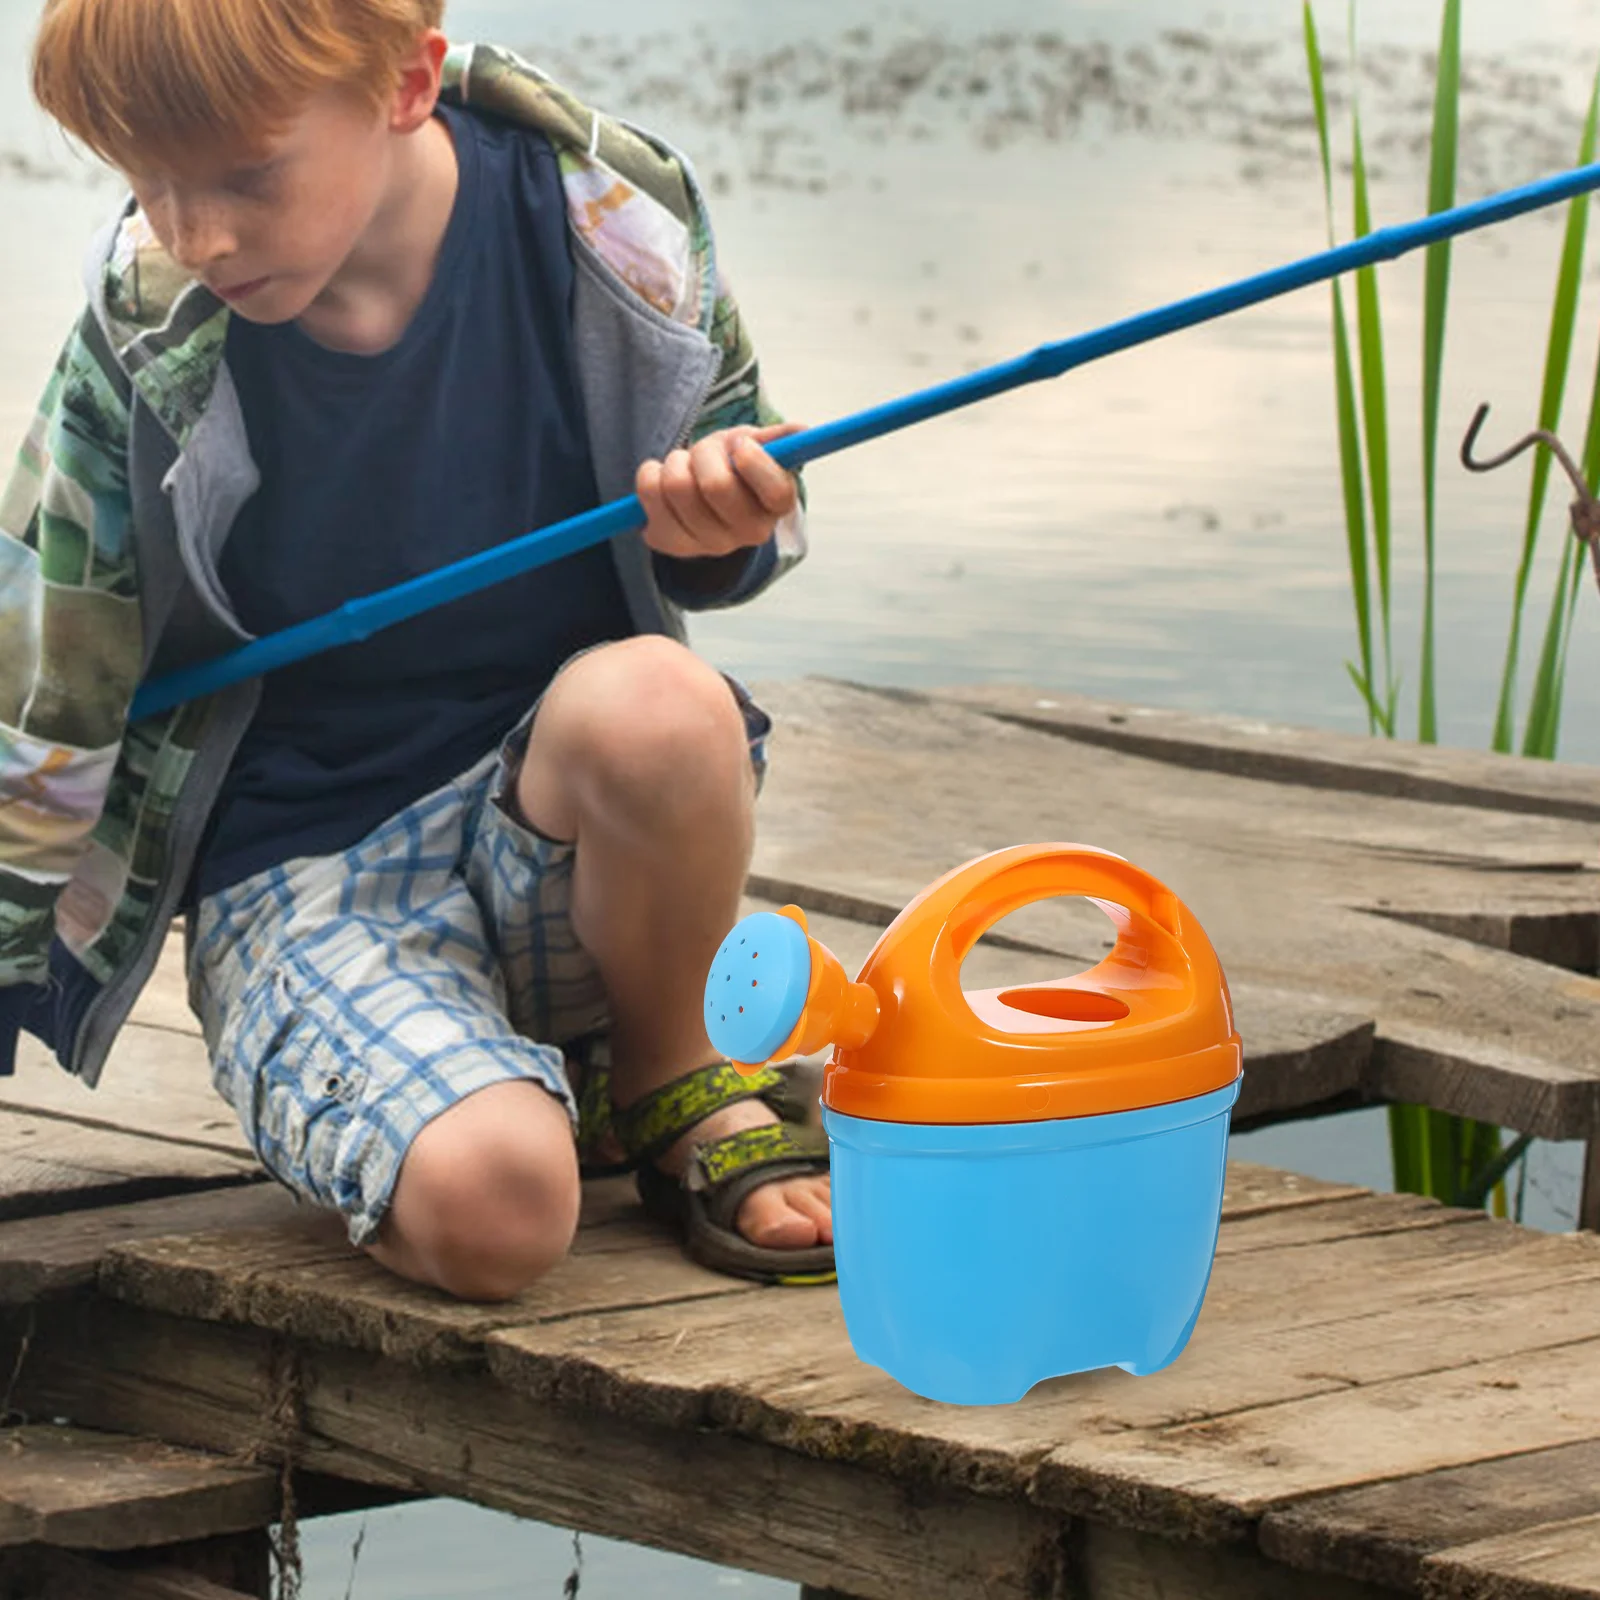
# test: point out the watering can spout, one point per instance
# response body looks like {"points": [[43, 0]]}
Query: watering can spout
{"points": [[775, 992]]}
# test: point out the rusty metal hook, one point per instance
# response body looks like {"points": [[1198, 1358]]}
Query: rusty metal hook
{"points": [[1585, 509], [1538, 436]]}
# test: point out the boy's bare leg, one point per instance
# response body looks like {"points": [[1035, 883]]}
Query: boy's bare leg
{"points": [[488, 1195], [639, 754]]}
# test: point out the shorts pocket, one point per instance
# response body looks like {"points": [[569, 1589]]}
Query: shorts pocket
{"points": [[297, 1091]]}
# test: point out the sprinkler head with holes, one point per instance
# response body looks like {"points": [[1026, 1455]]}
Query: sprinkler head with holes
{"points": [[775, 992]]}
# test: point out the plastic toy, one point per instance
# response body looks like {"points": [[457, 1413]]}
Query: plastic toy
{"points": [[1027, 1181]]}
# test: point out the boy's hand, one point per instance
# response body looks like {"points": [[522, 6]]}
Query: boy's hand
{"points": [[724, 493]]}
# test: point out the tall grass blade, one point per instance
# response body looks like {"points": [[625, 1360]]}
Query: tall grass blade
{"points": [[1558, 359], [1436, 299], [1437, 1154], [1345, 397], [1542, 737], [1542, 734], [1408, 1148], [1374, 405], [1492, 1178], [1376, 712]]}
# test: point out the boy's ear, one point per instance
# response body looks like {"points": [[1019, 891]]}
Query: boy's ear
{"points": [[417, 91]]}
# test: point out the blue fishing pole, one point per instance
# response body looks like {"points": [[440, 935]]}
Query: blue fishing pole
{"points": [[359, 619]]}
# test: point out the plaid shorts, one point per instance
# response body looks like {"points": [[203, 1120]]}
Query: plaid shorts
{"points": [[347, 1000]]}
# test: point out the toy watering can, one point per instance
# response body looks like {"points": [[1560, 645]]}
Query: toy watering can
{"points": [[1027, 1181]]}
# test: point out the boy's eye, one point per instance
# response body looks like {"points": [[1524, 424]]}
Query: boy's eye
{"points": [[252, 182]]}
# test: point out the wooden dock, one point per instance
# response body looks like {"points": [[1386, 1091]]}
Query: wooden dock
{"points": [[1383, 1396]]}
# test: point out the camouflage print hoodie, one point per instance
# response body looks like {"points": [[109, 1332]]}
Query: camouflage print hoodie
{"points": [[130, 479]]}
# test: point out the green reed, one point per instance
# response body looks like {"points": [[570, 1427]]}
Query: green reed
{"points": [[1542, 734], [1355, 465], [1449, 1157], [1435, 306]]}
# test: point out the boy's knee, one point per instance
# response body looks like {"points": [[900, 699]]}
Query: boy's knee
{"points": [[644, 720], [488, 1196]]}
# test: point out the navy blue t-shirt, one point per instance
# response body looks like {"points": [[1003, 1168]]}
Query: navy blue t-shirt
{"points": [[374, 469]]}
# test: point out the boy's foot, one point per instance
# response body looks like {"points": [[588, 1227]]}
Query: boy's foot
{"points": [[786, 1214], [716, 1154]]}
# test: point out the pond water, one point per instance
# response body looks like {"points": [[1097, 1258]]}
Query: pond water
{"points": [[904, 193]]}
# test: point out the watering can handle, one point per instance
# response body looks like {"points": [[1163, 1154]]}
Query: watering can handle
{"points": [[978, 896]]}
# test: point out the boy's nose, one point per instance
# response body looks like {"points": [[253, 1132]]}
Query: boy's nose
{"points": [[200, 237]]}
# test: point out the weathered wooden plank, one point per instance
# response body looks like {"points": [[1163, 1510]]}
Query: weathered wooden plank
{"points": [[1417, 1063], [61, 1575], [1249, 748], [1278, 1324], [1115, 1564], [1355, 1217], [1382, 1307], [88, 1491], [1383, 1533], [157, 1082], [275, 1266], [1556, 1561], [52, 1254], [455, 1431], [1218, 1476], [1299, 887], [72, 1141], [1561, 938], [608, 1200], [308, 1283], [164, 1000], [1120, 1564], [157, 1079], [1297, 1053], [48, 1163], [1252, 1190], [1589, 1196]]}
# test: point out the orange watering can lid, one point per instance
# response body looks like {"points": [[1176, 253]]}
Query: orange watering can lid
{"points": [[1153, 1023]]}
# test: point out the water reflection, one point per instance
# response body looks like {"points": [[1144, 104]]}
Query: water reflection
{"points": [[902, 196]]}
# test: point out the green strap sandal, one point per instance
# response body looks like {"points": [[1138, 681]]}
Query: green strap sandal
{"points": [[704, 1202]]}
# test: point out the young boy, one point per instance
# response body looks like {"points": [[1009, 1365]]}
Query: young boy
{"points": [[375, 304]]}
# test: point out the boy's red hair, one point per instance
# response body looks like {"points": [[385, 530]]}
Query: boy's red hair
{"points": [[156, 81]]}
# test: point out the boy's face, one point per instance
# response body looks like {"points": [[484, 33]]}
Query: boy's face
{"points": [[267, 233]]}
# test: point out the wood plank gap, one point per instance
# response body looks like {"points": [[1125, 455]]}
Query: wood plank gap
{"points": [[1471, 1294], [52, 1254], [1548, 1561], [102, 1125], [1313, 1111], [1217, 1481], [1347, 1386], [61, 1575], [117, 1191], [1245, 1213], [1383, 1531], [1289, 768], [1566, 939], [579, 1313], [1446, 1219]]}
